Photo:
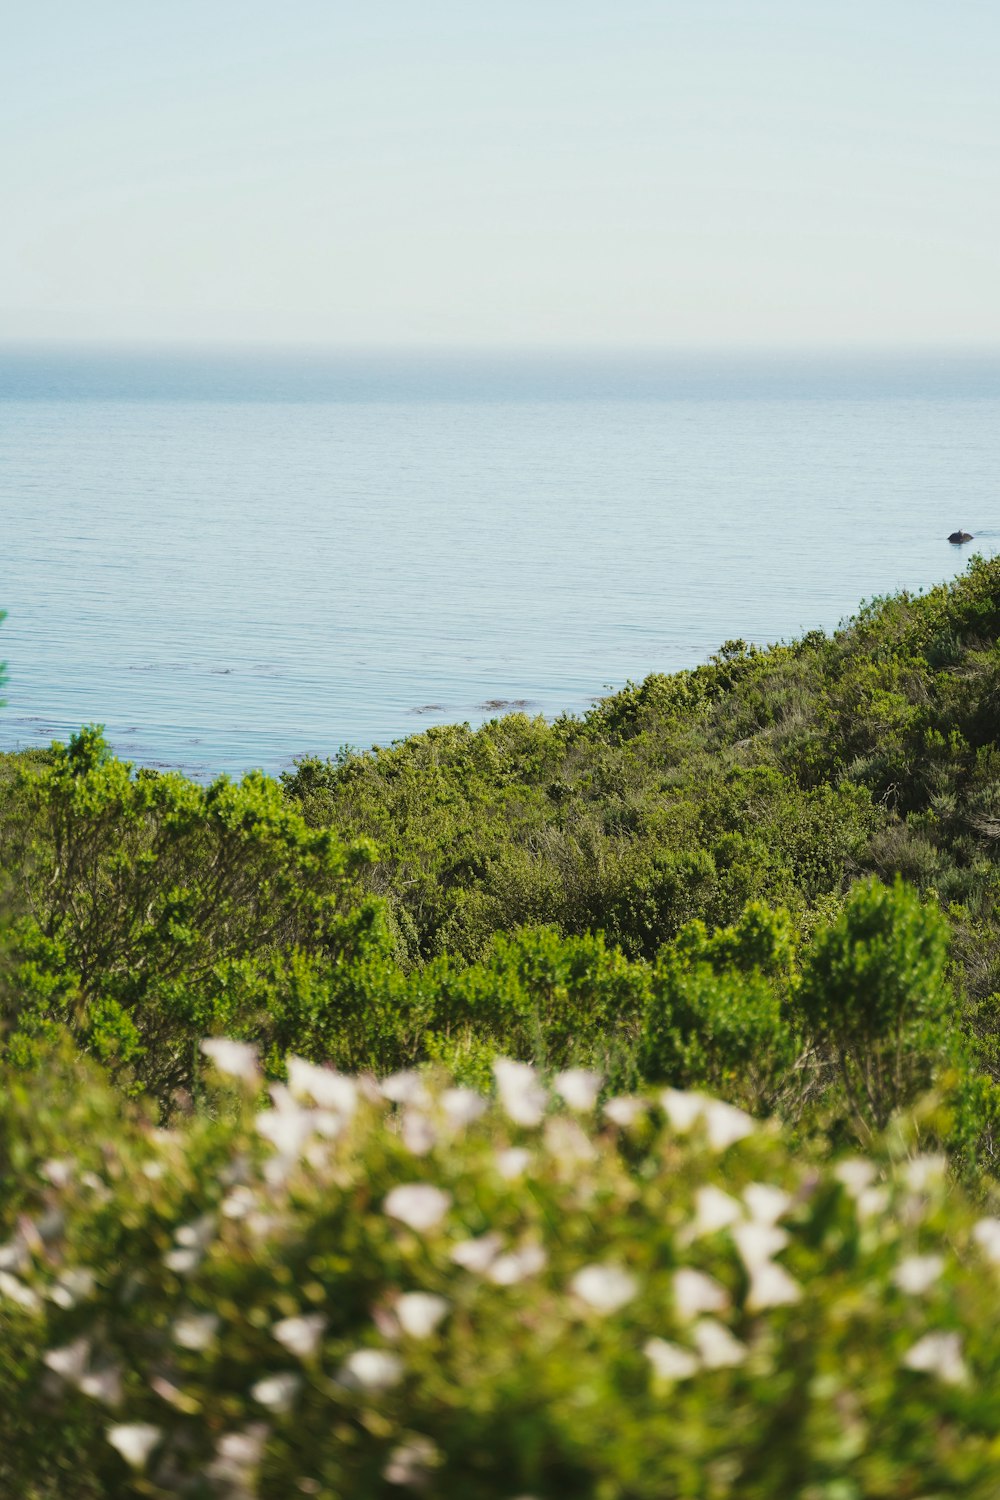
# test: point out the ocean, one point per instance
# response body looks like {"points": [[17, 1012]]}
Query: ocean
{"points": [[231, 559]]}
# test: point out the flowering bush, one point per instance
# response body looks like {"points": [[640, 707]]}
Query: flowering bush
{"points": [[367, 1290]]}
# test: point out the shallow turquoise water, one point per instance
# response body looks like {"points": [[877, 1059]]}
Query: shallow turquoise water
{"points": [[231, 563]]}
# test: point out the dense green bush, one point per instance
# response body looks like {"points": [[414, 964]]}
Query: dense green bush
{"points": [[719, 1014], [151, 910], [363, 1291], [875, 995]]}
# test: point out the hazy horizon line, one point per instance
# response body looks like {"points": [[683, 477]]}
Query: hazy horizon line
{"points": [[326, 348]]}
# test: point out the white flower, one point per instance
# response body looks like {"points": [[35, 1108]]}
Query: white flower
{"points": [[771, 1286], [516, 1265], [79, 1281], [16, 1291], [236, 1059], [918, 1273], [681, 1109], [237, 1455], [767, 1204], [419, 1313], [872, 1202], [624, 1109], [855, 1174], [328, 1123], [533, 1259], [240, 1202], [757, 1243], [566, 1142], [286, 1129], [326, 1087], [418, 1133], [182, 1261], [938, 1354], [14, 1255], [462, 1106], [49, 1226], [135, 1441], [405, 1088], [579, 1087], [513, 1162], [300, 1336], [371, 1370], [418, 1205], [987, 1236], [196, 1330], [97, 1185], [277, 1392], [283, 1099], [58, 1171], [670, 1361], [260, 1225], [70, 1362], [695, 1293], [242, 1448], [604, 1288], [714, 1210], [924, 1172], [74, 1285], [521, 1095], [716, 1345], [478, 1254], [726, 1124], [103, 1385], [197, 1234], [411, 1462]]}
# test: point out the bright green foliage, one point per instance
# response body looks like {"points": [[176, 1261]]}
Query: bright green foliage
{"points": [[671, 1307], [558, 1000], [153, 909], [874, 993], [536, 994], [717, 1015]]}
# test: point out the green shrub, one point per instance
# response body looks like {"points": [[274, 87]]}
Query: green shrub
{"points": [[717, 1015], [153, 909], [875, 995]]}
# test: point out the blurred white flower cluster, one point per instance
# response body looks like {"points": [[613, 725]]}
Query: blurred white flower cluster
{"points": [[344, 1267]]}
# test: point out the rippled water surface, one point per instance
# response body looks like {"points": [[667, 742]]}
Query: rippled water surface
{"points": [[233, 561]]}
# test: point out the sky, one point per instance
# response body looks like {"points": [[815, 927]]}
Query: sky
{"points": [[659, 174]]}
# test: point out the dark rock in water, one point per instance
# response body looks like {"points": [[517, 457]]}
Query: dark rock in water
{"points": [[960, 536]]}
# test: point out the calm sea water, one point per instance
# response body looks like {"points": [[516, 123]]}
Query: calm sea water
{"points": [[232, 560]]}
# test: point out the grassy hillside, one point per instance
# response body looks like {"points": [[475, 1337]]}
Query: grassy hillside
{"points": [[779, 775]]}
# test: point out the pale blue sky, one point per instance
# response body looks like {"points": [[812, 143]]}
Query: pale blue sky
{"points": [[555, 173]]}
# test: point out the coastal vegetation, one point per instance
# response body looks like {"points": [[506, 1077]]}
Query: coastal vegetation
{"points": [[686, 1011]]}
